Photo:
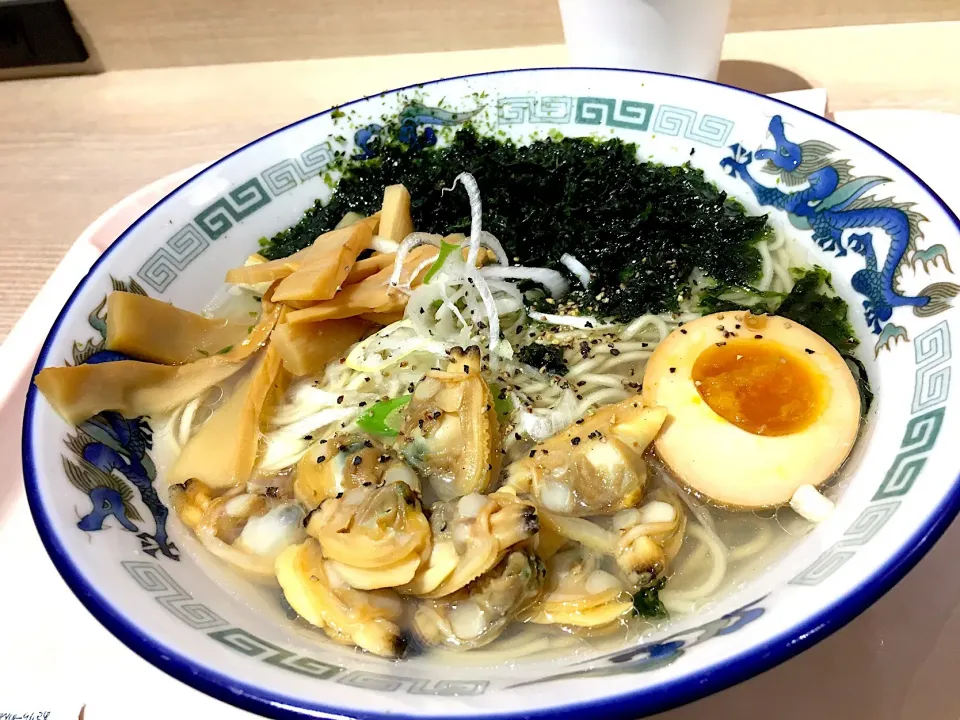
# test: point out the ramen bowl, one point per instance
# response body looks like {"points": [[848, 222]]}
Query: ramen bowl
{"points": [[131, 562]]}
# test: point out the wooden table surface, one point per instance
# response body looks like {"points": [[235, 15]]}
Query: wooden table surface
{"points": [[71, 147]]}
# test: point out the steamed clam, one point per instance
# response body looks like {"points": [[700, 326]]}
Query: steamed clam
{"points": [[450, 434], [477, 614], [596, 466], [641, 540], [344, 462], [374, 537], [247, 530], [579, 593], [314, 589], [190, 500], [470, 536], [549, 540], [649, 537]]}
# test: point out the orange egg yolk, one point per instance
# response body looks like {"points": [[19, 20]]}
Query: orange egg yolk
{"points": [[760, 386]]}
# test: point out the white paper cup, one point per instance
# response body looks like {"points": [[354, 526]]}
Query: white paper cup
{"points": [[676, 36]]}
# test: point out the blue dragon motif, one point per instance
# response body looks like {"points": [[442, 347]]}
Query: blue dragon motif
{"points": [[109, 451], [830, 200], [411, 119]]}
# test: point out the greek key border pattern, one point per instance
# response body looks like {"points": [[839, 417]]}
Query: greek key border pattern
{"points": [[156, 581], [287, 174], [554, 109], [703, 128], [173, 598], [241, 202], [624, 114], [413, 686], [248, 644], [933, 352], [211, 223], [620, 113], [174, 255]]}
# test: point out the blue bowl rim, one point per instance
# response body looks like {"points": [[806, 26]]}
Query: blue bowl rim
{"points": [[626, 706]]}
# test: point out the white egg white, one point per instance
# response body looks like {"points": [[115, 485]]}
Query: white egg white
{"points": [[731, 466]]}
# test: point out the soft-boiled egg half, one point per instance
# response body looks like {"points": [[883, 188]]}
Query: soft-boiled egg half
{"points": [[757, 406]]}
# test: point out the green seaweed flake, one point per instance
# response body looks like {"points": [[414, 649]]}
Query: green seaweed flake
{"points": [[640, 227], [557, 195]]}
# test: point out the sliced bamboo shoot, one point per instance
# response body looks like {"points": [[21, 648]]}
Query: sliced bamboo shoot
{"points": [[306, 348], [152, 330], [135, 388], [270, 271], [373, 295], [130, 387], [273, 270], [362, 269], [395, 220], [332, 258], [223, 452]]}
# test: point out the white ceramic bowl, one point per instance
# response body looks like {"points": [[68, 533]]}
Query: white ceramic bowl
{"points": [[137, 571]]}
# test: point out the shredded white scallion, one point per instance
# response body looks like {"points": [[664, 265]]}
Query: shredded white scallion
{"points": [[382, 244], [476, 211], [550, 279], [489, 304], [539, 425], [577, 268], [489, 241], [575, 321], [810, 504], [411, 241]]}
